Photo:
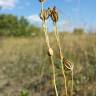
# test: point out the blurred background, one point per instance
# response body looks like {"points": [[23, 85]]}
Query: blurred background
{"points": [[25, 67]]}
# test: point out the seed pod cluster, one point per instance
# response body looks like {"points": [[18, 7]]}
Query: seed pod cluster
{"points": [[52, 12]]}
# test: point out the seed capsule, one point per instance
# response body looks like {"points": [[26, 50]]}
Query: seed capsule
{"points": [[44, 15], [53, 14], [50, 52], [67, 64]]}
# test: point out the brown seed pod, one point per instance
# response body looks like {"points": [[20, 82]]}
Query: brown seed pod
{"points": [[44, 14], [53, 14], [41, 1], [50, 52], [67, 64]]}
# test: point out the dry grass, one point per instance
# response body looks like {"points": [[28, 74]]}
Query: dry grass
{"points": [[24, 64]]}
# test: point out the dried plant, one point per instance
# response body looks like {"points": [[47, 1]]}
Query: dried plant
{"points": [[54, 17], [69, 66], [44, 16], [53, 14]]}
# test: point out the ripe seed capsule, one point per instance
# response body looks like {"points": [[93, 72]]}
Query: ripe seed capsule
{"points": [[44, 15], [67, 64], [53, 14]]}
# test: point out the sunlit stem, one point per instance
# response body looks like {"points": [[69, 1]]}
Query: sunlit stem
{"points": [[61, 56], [52, 60], [72, 73]]}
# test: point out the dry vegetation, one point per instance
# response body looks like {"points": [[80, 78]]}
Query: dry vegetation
{"points": [[25, 65]]}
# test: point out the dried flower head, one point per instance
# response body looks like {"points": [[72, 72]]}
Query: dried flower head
{"points": [[53, 14], [44, 14]]}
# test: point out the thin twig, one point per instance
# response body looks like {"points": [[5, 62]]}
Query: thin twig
{"points": [[61, 56], [51, 56], [72, 79], [48, 45], [54, 79]]}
